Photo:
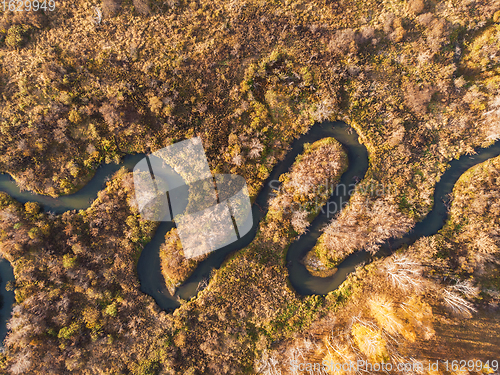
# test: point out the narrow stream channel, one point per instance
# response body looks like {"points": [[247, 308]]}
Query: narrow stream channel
{"points": [[303, 282]]}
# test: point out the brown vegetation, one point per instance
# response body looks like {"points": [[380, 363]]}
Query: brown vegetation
{"points": [[175, 268], [248, 78], [78, 304], [431, 302], [308, 185], [365, 223]]}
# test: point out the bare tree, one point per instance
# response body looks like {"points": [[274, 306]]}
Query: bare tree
{"points": [[22, 363], [404, 272], [294, 355], [268, 364], [466, 288], [255, 148], [457, 303], [299, 221]]}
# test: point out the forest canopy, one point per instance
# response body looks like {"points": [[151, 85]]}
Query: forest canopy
{"points": [[417, 80]]}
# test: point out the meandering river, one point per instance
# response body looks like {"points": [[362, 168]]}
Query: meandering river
{"points": [[303, 282]]}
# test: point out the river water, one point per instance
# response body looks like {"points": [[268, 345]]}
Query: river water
{"points": [[303, 282]]}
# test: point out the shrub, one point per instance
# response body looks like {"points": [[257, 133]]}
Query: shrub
{"points": [[17, 36], [110, 7], [142, 7], [68, 332], [32, 208], [69, 261], [111, 310], [34, 232], [416, 6]]}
